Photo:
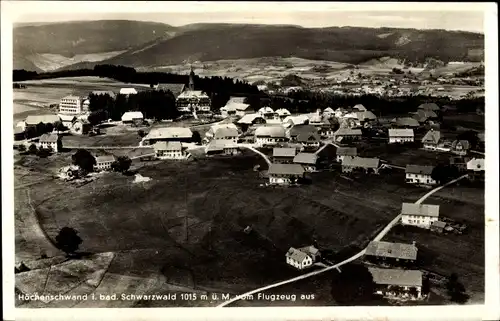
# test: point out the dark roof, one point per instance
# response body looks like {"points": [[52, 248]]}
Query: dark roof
{"points": [[281, 169], [432, 136], [303, 129], [419, 169], [396, 277], [361, 162], [392, 250], [407, 122], [420, 209], [465, 144], [49, 138], [308, 137]]}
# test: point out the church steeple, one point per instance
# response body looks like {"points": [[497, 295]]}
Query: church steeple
{"points": [[191, 79]]}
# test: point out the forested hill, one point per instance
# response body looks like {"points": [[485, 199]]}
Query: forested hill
{"points": [[157, 44]]}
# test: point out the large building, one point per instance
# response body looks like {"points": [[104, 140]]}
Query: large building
{"points": [[392, 253], [166, 134], [50, 141], [401, 135], [169, 150], [104, 162], [397, 283], [71, 105], [420, 174], [270, 135], [285, 174], [191, 100]]}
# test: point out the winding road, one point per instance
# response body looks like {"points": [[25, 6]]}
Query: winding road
{"points": [[336, 266]]}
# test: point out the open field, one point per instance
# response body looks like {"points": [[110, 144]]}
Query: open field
{"points": [[50, 62], [145, 223]]}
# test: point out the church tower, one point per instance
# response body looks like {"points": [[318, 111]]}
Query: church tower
{"points": [[191, 79]]}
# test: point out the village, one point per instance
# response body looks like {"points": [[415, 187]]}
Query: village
{"points": [[296, 147]]}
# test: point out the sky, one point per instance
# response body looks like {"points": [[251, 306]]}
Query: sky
{"points": [[454, 16]]}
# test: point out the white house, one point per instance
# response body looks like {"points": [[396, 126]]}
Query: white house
{"points": [[71, 105], [406, 284], [285, 174], [283, 113], [270, 135], [226, 133], [431, 139], [301, 258], [128, 91], [401, 135], [67, 120], [345, 151], [420, 215], [132, 116], [169, 150], [104, 162], [180, 134], [419, 174], [50, 141], [222, 146], [356, 163], [266, 112]]}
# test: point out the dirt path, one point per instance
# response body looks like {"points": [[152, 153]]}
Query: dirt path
{"points": [[336, 266]]}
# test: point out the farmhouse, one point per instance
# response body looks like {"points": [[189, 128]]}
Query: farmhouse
{"points": [[393, 253], [104, 92], [429, 106], [50, 141], [405, 284], [347, 134], [104, 162], [266, 112], [180, 134], [460, 147], [132, 117], [401, 135], [420, 215], [368, 165], [431, 139], [33, 120], [175, 89], [460, 163], [251, 119], [270, 135], [302, 258], [169, 150], [226, 147], [67, 120], [366, 116], [360, 107], [227, 133], [128, 91], [71, 105], [308, 141], [295, 120], [407, 122], [345, 151], [419, 174], [427, 114], [192, 100], [283, 155], [211, 133], [297, 130], [307, 160], [285, 174], [80, 127], [475, 169]]}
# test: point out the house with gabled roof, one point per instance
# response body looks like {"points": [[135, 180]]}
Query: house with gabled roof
{"points": [[346, 151], [460, 163], [104, 162], [285, 174], [420, 215], [301, 258], [347, 134], [307, 160], [475, 169], [419, 174], [396, 283], [431, 139], [397, 135], [165, 134], [284, 155], [50, 141], [169, 150], [356, 163], [222, 147], [460, 147], [392, 253], [270, 135]]}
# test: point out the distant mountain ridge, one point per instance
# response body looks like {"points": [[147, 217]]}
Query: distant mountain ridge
{"points": [[148, 45]]}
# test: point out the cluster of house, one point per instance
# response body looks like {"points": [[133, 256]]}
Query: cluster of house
{"points": [[391, 264]]}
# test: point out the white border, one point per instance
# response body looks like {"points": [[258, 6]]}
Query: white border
{"points": [[490, 311]]}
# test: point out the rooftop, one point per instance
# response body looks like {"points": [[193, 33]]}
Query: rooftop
{"points": [[407, 122], [169, 132], [419, 169], [420, 209], [348, 132], [175, 146], [250, 118], [46, 119], [396, 277], [296, 254], [49, 138], [392, 250], [347, 151], [305, 158], [361, 162], [401, 132], [228, 131], [105, 158], [476, 164], [276, 131], [284, 152]]}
